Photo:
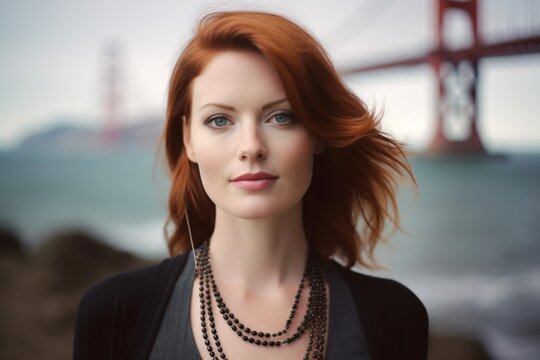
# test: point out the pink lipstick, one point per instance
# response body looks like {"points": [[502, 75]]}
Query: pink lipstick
{"points": [[256, 181]]}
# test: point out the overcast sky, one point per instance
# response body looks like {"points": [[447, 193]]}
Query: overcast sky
{"points": [[52, 59]]}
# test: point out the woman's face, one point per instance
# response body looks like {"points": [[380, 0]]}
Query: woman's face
{"points": [[255, 159]]}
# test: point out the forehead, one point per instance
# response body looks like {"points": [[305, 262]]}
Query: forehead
{"points": [[237, 78]]}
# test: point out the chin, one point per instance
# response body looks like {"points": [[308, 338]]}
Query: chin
{"points": [[255, 214], [260, 211]]}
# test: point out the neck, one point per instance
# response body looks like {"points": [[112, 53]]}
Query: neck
{"points": [[259, 253]]}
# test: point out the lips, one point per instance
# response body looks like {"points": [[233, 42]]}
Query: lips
{"points": [[255, 181], [255, 176]]}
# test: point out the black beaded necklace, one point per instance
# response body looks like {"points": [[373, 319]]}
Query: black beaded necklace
{"points": [[314, 319]]}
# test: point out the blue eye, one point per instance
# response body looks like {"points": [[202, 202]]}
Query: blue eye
{"points": [[282, 118], [217, 122]]}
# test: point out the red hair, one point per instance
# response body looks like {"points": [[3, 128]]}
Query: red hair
{"points": [[354, 178]]}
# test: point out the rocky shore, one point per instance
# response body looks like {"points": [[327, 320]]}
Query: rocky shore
{"points": [[40, 291]]}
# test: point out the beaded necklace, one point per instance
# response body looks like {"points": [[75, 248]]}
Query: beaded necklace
{"points": [[314, 321]]}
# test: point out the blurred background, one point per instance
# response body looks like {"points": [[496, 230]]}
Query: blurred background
{"points": [[83, 189]]}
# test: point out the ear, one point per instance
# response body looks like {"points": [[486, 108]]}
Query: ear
{"points": [[186, 138]]}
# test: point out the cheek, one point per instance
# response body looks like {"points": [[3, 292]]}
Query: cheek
{"points": [[211, 180], [299, 157], [210, 161], [209, 169]]}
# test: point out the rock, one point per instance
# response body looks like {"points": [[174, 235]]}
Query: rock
{"points": [[76, 258], [10, 244]]}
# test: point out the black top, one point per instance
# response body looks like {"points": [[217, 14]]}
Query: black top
{"points": [[119, 318], [346, 340]]}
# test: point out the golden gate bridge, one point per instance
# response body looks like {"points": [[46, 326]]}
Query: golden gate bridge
{"points": [[452, 37]]}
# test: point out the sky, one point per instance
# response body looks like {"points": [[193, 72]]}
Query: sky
{"points": [[52, 63]]}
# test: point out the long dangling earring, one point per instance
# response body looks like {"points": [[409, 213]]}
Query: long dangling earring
{"points": [[191, 239]]}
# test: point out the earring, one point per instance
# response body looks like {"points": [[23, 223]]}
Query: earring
{"points": [[191, 240]]}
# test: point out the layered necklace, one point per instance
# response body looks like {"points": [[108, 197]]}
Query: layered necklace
{"points": [[314, 321]]}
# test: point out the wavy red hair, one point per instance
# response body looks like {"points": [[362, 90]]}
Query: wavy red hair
{"points": [[354, 178]]}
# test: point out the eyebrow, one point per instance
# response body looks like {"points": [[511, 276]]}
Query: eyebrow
{"points": [[227, 107]]}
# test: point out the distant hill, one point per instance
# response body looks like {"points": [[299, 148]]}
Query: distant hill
{"points": [[67, 138]]}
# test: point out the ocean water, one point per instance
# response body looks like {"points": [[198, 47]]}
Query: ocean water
{"points": [[120, 196], [471, 250]]}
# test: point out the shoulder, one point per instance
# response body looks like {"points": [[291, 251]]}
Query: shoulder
{"points": [[394, 319], [130, 286], [109, 311], [382, 292], [125, 285]]}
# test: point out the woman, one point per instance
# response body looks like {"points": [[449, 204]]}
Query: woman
{"points": [[273, 160]]}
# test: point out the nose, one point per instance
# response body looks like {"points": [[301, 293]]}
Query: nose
{"points": [[252, 145]]}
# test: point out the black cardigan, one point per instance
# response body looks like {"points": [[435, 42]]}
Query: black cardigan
{"points": [[119, 318]]}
